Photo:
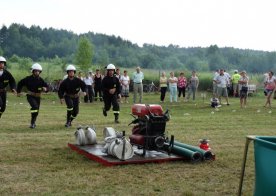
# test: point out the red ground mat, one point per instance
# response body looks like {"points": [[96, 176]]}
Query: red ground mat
{"points": [[94, 152]]}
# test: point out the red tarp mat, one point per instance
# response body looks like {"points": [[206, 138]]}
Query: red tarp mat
{"points": [[94, 152]]}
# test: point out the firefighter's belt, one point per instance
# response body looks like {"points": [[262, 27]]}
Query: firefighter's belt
{"points": [[34, 94], [72, 95], [2, 90]]}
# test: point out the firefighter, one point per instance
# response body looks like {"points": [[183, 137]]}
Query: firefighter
{"points": [[6, 79], [69, 92], [111, 92], [35, 85]]}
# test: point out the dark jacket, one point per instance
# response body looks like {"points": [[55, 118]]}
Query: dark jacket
{"points": [[7, 79], [34, 84], [71, 87], [110, 83]]}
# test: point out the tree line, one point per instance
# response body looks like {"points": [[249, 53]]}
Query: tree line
{"points": [[48, 43]]}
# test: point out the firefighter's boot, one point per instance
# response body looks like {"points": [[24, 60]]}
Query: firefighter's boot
{"points": [[104, 112], [116, 118], [68, 124], [33, 125], [68, 121]]}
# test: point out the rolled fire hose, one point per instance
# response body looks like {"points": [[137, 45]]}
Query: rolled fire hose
{"points": [[192, 155], [207, 155], [80, 137], [119, 145], [91, 136], [109, 132]]}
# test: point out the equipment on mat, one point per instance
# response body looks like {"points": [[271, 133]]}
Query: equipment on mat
{"points": [[148, 131]]}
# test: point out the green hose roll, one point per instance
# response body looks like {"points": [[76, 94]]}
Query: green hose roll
{"points": [[207, 155]]}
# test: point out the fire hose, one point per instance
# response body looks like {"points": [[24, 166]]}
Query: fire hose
{"points": [[207, 155]]}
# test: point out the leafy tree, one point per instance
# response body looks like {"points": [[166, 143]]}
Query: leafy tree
{"points": [[25, 63], [84, 53]]}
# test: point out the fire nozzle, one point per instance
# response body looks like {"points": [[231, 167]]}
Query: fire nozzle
{"points": [[204, 144]]}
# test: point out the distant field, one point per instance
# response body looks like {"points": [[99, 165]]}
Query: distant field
{"points": [[38, 161]]}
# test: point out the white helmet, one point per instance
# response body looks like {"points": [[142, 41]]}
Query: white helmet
{"points": [[2, 59], [110, 66], [70, 68], [36, 66]]}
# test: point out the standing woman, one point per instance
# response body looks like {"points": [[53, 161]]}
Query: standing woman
{"points": [[181, 85], [35, 85], [163, 86], [173, 87], [243, 82], [69, 92], [6, 79], [270, 84], [193, 85], [125, 81]]}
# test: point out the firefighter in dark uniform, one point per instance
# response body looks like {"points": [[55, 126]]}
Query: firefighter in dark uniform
{"points": [[6, 79], [111, 92], [98, 85], [69, 92], [35, 85]]}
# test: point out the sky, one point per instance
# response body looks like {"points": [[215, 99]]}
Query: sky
{"points": [[245, 24]]}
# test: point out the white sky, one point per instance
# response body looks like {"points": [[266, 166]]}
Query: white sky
{"points": [[246, 24]]}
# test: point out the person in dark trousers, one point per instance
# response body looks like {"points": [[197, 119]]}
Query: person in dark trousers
{"points": [[89, 88], [98, 85], [35, 85], [6, 79], [69, 92], [111, 92]]}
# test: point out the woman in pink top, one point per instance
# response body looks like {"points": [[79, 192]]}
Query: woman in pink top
{"points": [[181, 85]]}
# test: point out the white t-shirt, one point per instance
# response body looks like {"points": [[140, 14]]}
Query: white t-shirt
{"points": [[173, 84], [221, 80], [124, 80], [88, 81]]}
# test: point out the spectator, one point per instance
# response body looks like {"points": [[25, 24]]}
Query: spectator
{"points": [[222, 83], [243, 82], [270, 84], [215, 88], [137, 78], [193, 85], [163, 86], [235, 83], [125, 81], [173, 87], [79, 75], [98, 85], [229, 80], [89, 88], [118, 74], [181, 85]]}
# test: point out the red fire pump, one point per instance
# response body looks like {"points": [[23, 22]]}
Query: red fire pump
{"points": [[148, 132]]}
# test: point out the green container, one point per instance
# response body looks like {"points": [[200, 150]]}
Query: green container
{"points": [[265, 166]]}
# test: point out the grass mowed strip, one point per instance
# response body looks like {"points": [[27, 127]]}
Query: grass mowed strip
{"points": [[38, 161]]}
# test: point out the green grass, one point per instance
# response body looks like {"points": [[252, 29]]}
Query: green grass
{"points": [[38, 161]]}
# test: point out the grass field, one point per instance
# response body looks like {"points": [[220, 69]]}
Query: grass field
{"points": [[38, 162]]}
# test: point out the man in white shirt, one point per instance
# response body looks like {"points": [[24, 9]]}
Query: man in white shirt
{"points": [[89, 88], [137, 78], [222, 82]]}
